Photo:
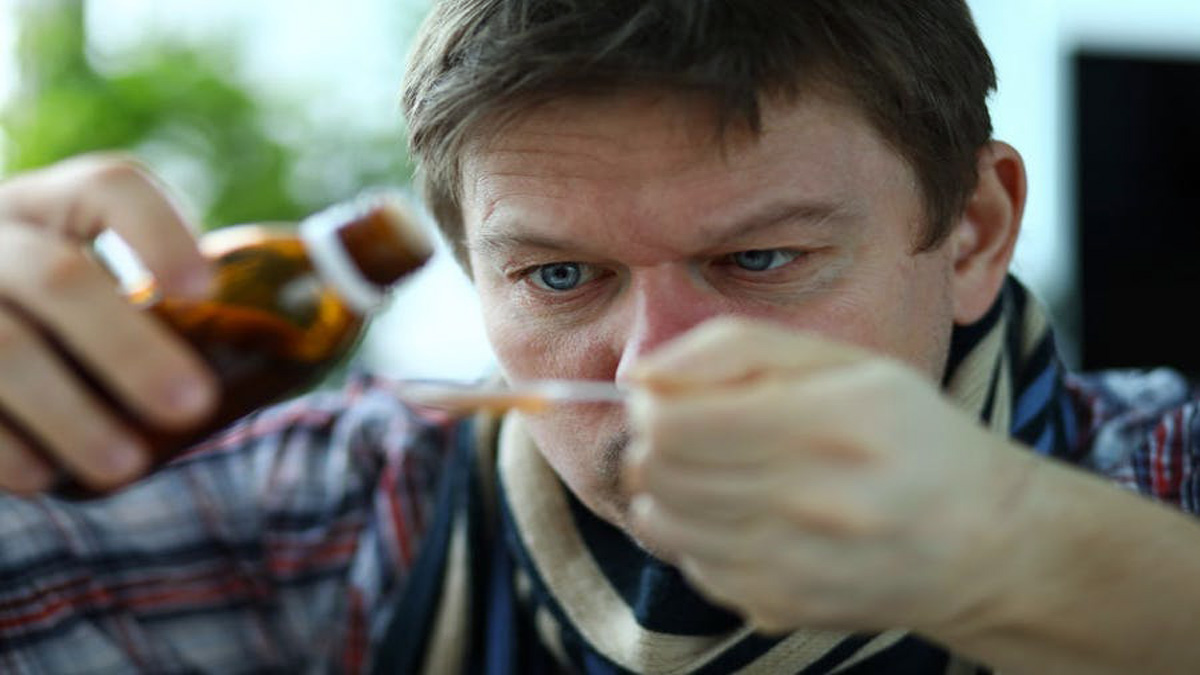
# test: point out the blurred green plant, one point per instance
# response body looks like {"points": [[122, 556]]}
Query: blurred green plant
{"points": [[173, 103]]}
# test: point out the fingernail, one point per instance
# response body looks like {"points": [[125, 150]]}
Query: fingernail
{"points": [[125, 460], [191, 397]]}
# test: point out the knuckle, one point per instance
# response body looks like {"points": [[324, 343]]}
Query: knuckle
{"points": [[860, 523], [875, 384], [837, 522], [62, 268], [889, 376], [724, 328], [833, 518], [109, 169], [35, 263], [773, 619], [758, 334]]}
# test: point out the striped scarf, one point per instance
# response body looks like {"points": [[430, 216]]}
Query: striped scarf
{"points": [[518, 577]]}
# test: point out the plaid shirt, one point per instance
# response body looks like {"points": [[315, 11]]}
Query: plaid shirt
{"points": [[282, 544]]}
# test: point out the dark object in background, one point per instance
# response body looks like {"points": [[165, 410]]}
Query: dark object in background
{"points": [[1138, 192]]}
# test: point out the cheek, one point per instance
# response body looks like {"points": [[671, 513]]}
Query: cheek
{"points": [[528, 350], [902, 311], [923, 318], [534, 347]]}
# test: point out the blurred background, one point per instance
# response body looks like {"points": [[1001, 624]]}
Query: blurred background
{"points": [[275, 108]]}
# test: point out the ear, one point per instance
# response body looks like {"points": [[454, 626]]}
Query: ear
{"points": [[985, 235]]}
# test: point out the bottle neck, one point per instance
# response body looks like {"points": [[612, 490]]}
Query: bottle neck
{"points": [[361, 248]]}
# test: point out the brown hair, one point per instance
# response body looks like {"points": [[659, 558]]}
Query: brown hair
{"points": [[917, 69]]}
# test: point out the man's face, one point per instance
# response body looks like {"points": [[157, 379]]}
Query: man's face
{"points": [[599, 229]]}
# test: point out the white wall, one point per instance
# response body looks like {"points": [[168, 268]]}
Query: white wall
{"points": [[1031, 43]]}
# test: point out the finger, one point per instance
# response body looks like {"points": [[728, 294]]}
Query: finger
{"points": [[730, 350], [814, 418], [666, 530], [724, 497], [721, 427], [721, 584], [82, 197], [824, 499], [135, 356], [42, 396], [745, 426], [21, 472], [740, 591]]}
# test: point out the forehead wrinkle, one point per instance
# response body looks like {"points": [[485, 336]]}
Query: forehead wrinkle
{"points": [[603, 160], [501, 237], [603, 139], [498, 176], [779, 214], [566, 221]]}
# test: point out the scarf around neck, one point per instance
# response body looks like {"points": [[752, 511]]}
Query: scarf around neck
{"points": [[525, 579]]}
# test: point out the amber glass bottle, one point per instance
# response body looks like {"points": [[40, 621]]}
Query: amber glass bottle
{"points": [[288, 303]]}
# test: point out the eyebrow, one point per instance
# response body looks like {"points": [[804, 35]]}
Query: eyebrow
{"points": [[811, 213]]}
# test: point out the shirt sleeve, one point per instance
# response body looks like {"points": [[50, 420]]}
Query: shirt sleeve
{"points": [[1141, 429], [279, 545]]}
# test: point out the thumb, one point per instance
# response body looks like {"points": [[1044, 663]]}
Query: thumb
{"points": [[82, 197]]}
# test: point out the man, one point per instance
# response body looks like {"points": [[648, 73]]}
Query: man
{"points": [[784, 228]]}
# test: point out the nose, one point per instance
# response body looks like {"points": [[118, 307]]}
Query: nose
{"points": [[664, 302]]}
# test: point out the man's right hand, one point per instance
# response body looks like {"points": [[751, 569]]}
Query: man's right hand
{"points": [[54, 292]]}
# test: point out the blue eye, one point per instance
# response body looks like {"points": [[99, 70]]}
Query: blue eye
{"points": [[762, 260], [558, 276]]}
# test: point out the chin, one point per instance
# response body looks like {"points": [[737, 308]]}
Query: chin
{"points": [[613, 508], [589, 462]]}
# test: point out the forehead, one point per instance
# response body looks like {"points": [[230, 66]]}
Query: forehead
{"points": [[659, 155]]}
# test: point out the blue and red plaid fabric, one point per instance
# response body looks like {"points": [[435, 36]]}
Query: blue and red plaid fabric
{"points": [[1142, 431], [282, 545], [279, 546]]}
